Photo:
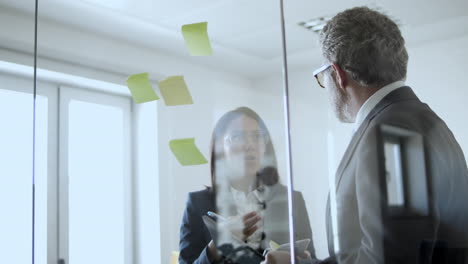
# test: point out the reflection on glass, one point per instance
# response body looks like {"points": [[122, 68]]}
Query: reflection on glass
{"points": [[96, 177], [394, 174], [16, 178], [245, 209]]}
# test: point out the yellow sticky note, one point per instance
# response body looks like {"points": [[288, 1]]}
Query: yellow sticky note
{"points": [[175, 257], [274, 245], [196, 38], [186, 152], [140, 88], [175, 91]]}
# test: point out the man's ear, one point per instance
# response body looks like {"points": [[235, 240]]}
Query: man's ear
{"points": [[340, 75]]}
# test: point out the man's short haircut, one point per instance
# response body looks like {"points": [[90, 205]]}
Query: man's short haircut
{"points": [[367, 44]]}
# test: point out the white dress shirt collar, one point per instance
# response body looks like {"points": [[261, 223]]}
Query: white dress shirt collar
{"points": [[372, 101], [254, 196], [246, 203]]}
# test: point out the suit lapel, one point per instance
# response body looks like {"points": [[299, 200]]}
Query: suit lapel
{"points": [[350, 150], [403, 93]]}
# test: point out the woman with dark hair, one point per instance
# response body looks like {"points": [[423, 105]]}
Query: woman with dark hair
{"points": [[245, 189]]}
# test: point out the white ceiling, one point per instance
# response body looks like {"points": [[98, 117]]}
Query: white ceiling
{"points": [[245, 34]]}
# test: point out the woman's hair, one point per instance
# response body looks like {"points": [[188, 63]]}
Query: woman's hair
{"points": [[267, 174]]}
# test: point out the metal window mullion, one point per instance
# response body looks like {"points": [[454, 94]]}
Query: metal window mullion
{"points": [[63, 179], [129, 186], [52, 174]]}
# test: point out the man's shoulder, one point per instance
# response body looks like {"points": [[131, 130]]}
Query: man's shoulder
{"points": [[409, 114]]}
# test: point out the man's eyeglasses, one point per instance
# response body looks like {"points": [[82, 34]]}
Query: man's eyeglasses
{"points": [[242, 137], [318, 74]]}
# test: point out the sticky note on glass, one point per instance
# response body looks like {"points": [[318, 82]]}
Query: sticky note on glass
{"points": [[175, 91], [140, 88], [274, 245], [186, 152], [196, 39], [175, 257]]}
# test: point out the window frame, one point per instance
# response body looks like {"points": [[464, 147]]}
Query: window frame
{"points": [[48, 84], [20, 83], [66, 95]]}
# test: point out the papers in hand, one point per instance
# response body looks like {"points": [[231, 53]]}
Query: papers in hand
{"points": [[219, 234], [274, 245], [300, 245]]}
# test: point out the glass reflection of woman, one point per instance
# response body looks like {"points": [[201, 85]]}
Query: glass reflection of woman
{"points": [[245, 188]]}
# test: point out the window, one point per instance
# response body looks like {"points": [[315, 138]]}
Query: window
{"points": [[95, 177], [405, 171], [83, 174], [16, 137], [394, 172]]}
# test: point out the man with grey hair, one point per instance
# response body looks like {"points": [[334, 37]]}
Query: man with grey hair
{"points": [[365, 79]]}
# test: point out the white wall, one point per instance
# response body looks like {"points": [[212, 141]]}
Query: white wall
{"points": [[113, 59]]}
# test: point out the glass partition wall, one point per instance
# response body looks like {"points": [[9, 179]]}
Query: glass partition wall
{"points": [[166, 146], [16, 140], [162, 135]]}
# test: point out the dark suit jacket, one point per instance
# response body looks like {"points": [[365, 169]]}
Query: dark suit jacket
{"points": [[362, 234], [194, 236]]}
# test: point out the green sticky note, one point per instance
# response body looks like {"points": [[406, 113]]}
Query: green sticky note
{"points": [[196, 39], [140, 88], [186, 152], [175, 91], [274, 245]]}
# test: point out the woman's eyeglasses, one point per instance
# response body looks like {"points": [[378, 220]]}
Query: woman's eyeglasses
{"points": [[243, 137]]}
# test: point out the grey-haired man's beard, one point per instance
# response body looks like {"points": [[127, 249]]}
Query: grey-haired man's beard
{"points": [[340, 103]]}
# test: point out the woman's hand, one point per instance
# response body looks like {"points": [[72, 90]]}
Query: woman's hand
{"points": [[243, 226], [277, 257], [213, 253], [250, 221]]}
